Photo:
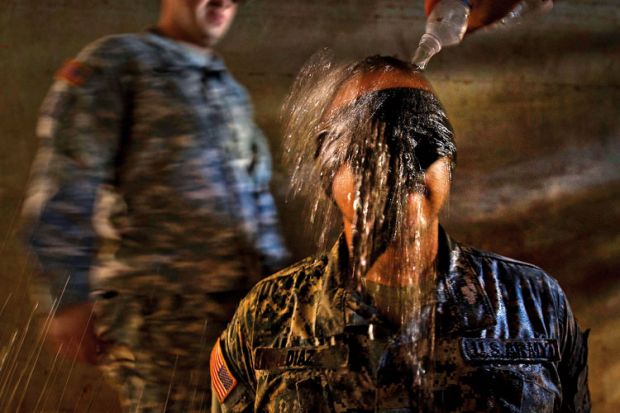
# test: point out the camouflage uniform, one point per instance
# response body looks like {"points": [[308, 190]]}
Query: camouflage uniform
{"points": [[304, 341], [151, 143]]}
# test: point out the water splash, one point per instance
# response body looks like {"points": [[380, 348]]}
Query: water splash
{"points": [[21, 356], [382, 139]]}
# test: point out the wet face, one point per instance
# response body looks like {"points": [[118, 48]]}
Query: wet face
{"points": [[390, 133], [422, 209], [202, 22]]}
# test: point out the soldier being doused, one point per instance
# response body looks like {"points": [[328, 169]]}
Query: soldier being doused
{"points": [[397, 316]]}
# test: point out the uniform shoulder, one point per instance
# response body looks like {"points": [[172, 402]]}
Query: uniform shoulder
{"points": [[297, 276], [267, 307], [112, 50], [501, 258], [511, 267], [511, 274]]}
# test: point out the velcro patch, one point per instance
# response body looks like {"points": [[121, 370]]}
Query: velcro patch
{"points": [[221, 378], [74, 72], [533, 350], [323, 357]]}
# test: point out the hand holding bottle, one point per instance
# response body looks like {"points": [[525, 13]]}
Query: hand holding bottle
{"points": [[449, 20]]}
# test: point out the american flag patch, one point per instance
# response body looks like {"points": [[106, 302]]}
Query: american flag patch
{"points": [[221, 378], [73, 72]]}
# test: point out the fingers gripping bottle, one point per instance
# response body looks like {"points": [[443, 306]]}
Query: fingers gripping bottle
{"points": [[445, 26], [522, 9]]}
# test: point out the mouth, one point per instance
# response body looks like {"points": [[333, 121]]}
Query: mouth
{"points": [[215, 17]]}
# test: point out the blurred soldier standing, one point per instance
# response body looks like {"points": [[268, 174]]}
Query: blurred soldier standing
{"points": [[153, 128]]}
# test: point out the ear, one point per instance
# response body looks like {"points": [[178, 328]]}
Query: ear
{"points": [[438, 180]]}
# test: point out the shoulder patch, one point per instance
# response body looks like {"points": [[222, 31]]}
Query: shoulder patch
{"points": [[74, 72], [222, 379]]}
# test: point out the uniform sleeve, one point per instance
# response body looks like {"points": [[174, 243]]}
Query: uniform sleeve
{"points": [[269, 239], [233, 382], [574, 364], [79, 132]]}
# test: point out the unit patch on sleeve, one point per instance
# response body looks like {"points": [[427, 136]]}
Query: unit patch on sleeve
{"points": [[74, 72], [221, 378], [532, 350]]}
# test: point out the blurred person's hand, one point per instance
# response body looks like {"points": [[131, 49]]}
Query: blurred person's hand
{"points": [[71, 333]]}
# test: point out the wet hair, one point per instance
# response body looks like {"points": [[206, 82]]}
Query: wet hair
{"points": [[401, 130], [388, 137], [414, 122], [409, 124]]}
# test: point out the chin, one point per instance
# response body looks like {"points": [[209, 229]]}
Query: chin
{"points": [[210, 36], [411, 237], [207, 40], [413, 232], [216, 32]]}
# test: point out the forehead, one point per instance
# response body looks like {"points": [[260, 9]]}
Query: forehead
{"points": [[364, 83]]}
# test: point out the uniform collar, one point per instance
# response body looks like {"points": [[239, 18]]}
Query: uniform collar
{"points": [[462, 302], [183, 54]]}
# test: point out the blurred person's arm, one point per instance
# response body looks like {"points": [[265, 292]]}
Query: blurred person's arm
{"points": [[269, 238], [79, 131]]}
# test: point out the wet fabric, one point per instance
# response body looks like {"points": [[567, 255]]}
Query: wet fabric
{"points": [[305, 341], [169, 133]]}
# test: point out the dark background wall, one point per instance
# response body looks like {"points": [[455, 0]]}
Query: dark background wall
{"points": [[535, 110]]}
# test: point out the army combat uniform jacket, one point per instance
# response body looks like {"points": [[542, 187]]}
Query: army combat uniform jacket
{"points": [[150, 195], [506, 341], [160, 136]]}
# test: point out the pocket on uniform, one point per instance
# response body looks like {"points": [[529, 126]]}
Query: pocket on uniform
{"points": [[116, 319], [312, 396], [113, 316], [536, 398], [504, 390]]}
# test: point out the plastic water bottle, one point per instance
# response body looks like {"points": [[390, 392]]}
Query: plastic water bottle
{"points": [[445, 26]]}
